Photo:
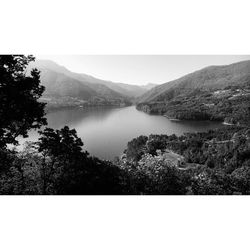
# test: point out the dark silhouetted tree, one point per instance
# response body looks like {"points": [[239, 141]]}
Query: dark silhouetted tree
{"points": [[68, 169], [20, 109]]}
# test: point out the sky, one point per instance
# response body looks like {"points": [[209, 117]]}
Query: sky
{"points": [[140, 69]]}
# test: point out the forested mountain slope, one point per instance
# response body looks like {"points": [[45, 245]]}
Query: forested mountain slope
{"points": [[64, 88], [219, 93], [210, 78], [127, 90]]}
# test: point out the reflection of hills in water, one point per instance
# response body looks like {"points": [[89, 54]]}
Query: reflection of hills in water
{"points": [[57, 119]]}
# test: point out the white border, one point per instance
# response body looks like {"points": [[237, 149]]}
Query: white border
{"points": [[136, 222], [125, 27]]}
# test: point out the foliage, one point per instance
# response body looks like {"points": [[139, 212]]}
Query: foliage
{"points": [[229, 105], [154, 175], [70, 170], [135, 147], [216, 162], [19, 94]]}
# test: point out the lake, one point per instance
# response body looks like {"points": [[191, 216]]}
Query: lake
{"points": [[105, 132]]}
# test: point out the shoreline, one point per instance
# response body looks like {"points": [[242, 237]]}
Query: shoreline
{"points": [[51, 110], [185, 120]]}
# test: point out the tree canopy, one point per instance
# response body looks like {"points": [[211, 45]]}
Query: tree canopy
{"points": [[20, 109]]}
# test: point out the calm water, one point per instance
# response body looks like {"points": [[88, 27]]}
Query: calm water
{"points": [[106, 131]]}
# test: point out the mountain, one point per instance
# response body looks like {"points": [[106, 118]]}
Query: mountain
{"points": [[209, 78], [219, 93], [125, 90], [64, 88], [149, 86], [59, 84]]}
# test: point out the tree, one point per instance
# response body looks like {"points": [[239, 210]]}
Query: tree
{"points": [[241, 180], [136, 148], [62, 142], [20, 109], [69, 170], [62, 158], [155, 175]]}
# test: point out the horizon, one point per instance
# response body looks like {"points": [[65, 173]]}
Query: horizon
{"points": [[140, 69]]}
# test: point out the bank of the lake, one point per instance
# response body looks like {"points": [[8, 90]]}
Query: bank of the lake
{"points": [[106, 131]]}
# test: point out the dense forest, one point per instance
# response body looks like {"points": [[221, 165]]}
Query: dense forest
{"points": [[213, 162], [220, 93], [211, 78], [231, 105]]}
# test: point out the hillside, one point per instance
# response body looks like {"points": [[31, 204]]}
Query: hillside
{"points": [[64, 88], [126, 90], [220, 93], [59, 85], [210, 78], [149, 86]]}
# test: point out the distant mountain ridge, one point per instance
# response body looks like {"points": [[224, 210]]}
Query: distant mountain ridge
{"points": [[212, 77], [149, 86]]}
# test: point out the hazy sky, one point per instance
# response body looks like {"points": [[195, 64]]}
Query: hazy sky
{"points": [[140, 69]]}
